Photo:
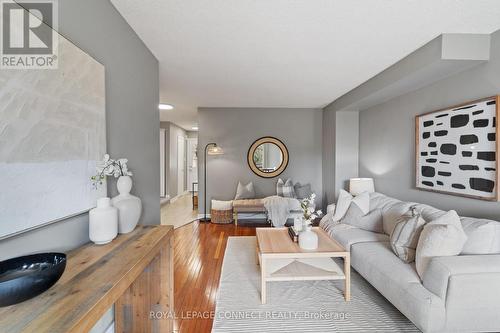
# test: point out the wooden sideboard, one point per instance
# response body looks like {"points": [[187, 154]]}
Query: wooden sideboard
{"points": [[134, 272]]}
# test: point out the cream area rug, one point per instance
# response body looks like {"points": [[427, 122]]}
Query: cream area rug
{"points": [[296, 306]]}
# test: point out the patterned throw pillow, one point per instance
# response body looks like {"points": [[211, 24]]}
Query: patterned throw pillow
{"points": [[285, 189], [404, 237]]}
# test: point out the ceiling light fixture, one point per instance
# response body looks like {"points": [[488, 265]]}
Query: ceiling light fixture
{"points": [[194, 128], [165, 106]]}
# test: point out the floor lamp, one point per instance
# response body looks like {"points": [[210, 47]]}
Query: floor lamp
{"points": [[210, 149]]}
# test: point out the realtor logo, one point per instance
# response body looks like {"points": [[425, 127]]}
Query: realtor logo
{"points": [[29, 39]]}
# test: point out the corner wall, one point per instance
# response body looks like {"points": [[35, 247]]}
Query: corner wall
{"points": [[235, 129], [387, 142], [132, 117]]}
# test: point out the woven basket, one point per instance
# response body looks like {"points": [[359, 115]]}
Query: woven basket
{"points": [[221, 216]]}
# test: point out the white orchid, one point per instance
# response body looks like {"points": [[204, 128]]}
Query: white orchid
{"points": [[110, 167], [308, 209]]}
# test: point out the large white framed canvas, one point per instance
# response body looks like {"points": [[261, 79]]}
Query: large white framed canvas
{"points": [[52, 133], [457, 149]]}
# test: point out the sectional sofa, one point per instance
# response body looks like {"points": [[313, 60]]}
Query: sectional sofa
{"points": [[456, 294]]}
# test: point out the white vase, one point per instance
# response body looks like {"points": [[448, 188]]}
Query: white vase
{"points": [[129, 206], [308, 239], [103, 222], [298, 224]]}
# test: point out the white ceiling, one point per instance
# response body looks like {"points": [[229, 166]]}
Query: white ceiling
{"points": [[286, 53]]}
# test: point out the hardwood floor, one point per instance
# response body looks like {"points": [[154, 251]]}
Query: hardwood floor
{"points": [[198, 254], [178, 213]]}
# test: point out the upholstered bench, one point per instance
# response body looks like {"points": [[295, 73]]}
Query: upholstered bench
{"points": [[248, 206]]}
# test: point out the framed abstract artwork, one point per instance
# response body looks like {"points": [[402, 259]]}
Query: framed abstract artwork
{"points": [[456, 150], [52, 135]]}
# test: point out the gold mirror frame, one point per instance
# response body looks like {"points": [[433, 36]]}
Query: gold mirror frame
{"points": [[251, 162]]}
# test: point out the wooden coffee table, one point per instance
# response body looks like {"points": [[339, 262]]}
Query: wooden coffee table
{"points": [[281, 259]]}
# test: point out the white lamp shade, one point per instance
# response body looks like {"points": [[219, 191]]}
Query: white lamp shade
{"points": [[360, 185]]}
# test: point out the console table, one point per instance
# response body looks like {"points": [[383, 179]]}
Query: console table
{"points": [[134, 272]]}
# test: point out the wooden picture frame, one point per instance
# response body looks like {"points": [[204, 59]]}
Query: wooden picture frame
{"points": [[457, 150], [256, 169]]}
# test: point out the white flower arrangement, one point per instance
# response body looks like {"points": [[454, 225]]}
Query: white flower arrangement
{"points": [[110, 167], [309, 214]]}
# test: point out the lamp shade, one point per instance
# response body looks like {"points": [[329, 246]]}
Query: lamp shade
{"points": [[360, 185], [215, 150]]}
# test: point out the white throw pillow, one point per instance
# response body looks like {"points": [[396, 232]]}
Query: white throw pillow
{"points": [[222, 205], [245, 191], [441, 237], [344, 201], [370, 222]]}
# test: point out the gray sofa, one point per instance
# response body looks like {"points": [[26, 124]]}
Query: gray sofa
{"points": [[456, 294]]}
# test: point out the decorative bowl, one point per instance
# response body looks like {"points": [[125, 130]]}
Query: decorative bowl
{"points": [[25, 277]]}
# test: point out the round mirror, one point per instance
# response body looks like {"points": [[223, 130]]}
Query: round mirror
{"points": [[268, 157]]}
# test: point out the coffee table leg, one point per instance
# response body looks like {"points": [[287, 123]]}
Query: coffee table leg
{"points": [[263, 280], [347, 273]]}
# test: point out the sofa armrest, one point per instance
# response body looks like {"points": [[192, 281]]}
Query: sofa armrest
{"points": [[469, 286], [443, 270]]}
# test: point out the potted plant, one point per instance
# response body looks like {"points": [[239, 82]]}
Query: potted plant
{"points": [[308, 239]]}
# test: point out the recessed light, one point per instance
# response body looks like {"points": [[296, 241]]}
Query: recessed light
{"points": [[194, 128], [165, 106]]}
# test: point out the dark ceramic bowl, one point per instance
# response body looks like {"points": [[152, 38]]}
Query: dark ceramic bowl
{"points": [[25, 277]]}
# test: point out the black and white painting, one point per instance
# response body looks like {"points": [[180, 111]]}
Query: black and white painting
{"points": [[456, 150]]}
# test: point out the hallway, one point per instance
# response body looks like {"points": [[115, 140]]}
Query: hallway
{"points": [[179, 212]]}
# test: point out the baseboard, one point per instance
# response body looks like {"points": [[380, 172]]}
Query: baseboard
{"points": [[200, 216]]}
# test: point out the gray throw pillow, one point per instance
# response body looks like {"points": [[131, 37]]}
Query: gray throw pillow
{"points": [[302, 191], [245, 191], [404, 237], [371, 221]]}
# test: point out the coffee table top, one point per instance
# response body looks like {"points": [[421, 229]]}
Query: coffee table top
{"points": [[276, 241]]}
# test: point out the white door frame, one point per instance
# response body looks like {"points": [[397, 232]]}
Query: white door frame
{"points": [[181, 165], [192, 175], [163, 178]]}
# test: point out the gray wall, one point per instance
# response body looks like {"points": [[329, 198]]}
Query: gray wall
{"points": [[173, 132], [235, 129], [340, 151], [387, 143], [132, 117]]}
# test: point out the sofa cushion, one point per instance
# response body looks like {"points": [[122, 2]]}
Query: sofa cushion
{"points": [[442, 237], [399, 283], [404, 238], [392, 214], [302, 191], [442, 269], [370, 222], [348, 235], [244, 191], [483, 236]]}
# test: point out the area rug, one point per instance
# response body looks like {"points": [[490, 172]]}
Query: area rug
{"points": [[296, 306]]}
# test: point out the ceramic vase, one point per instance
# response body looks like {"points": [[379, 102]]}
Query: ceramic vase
{"points": [[103, 222], [129, 206], [308, 239]]}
